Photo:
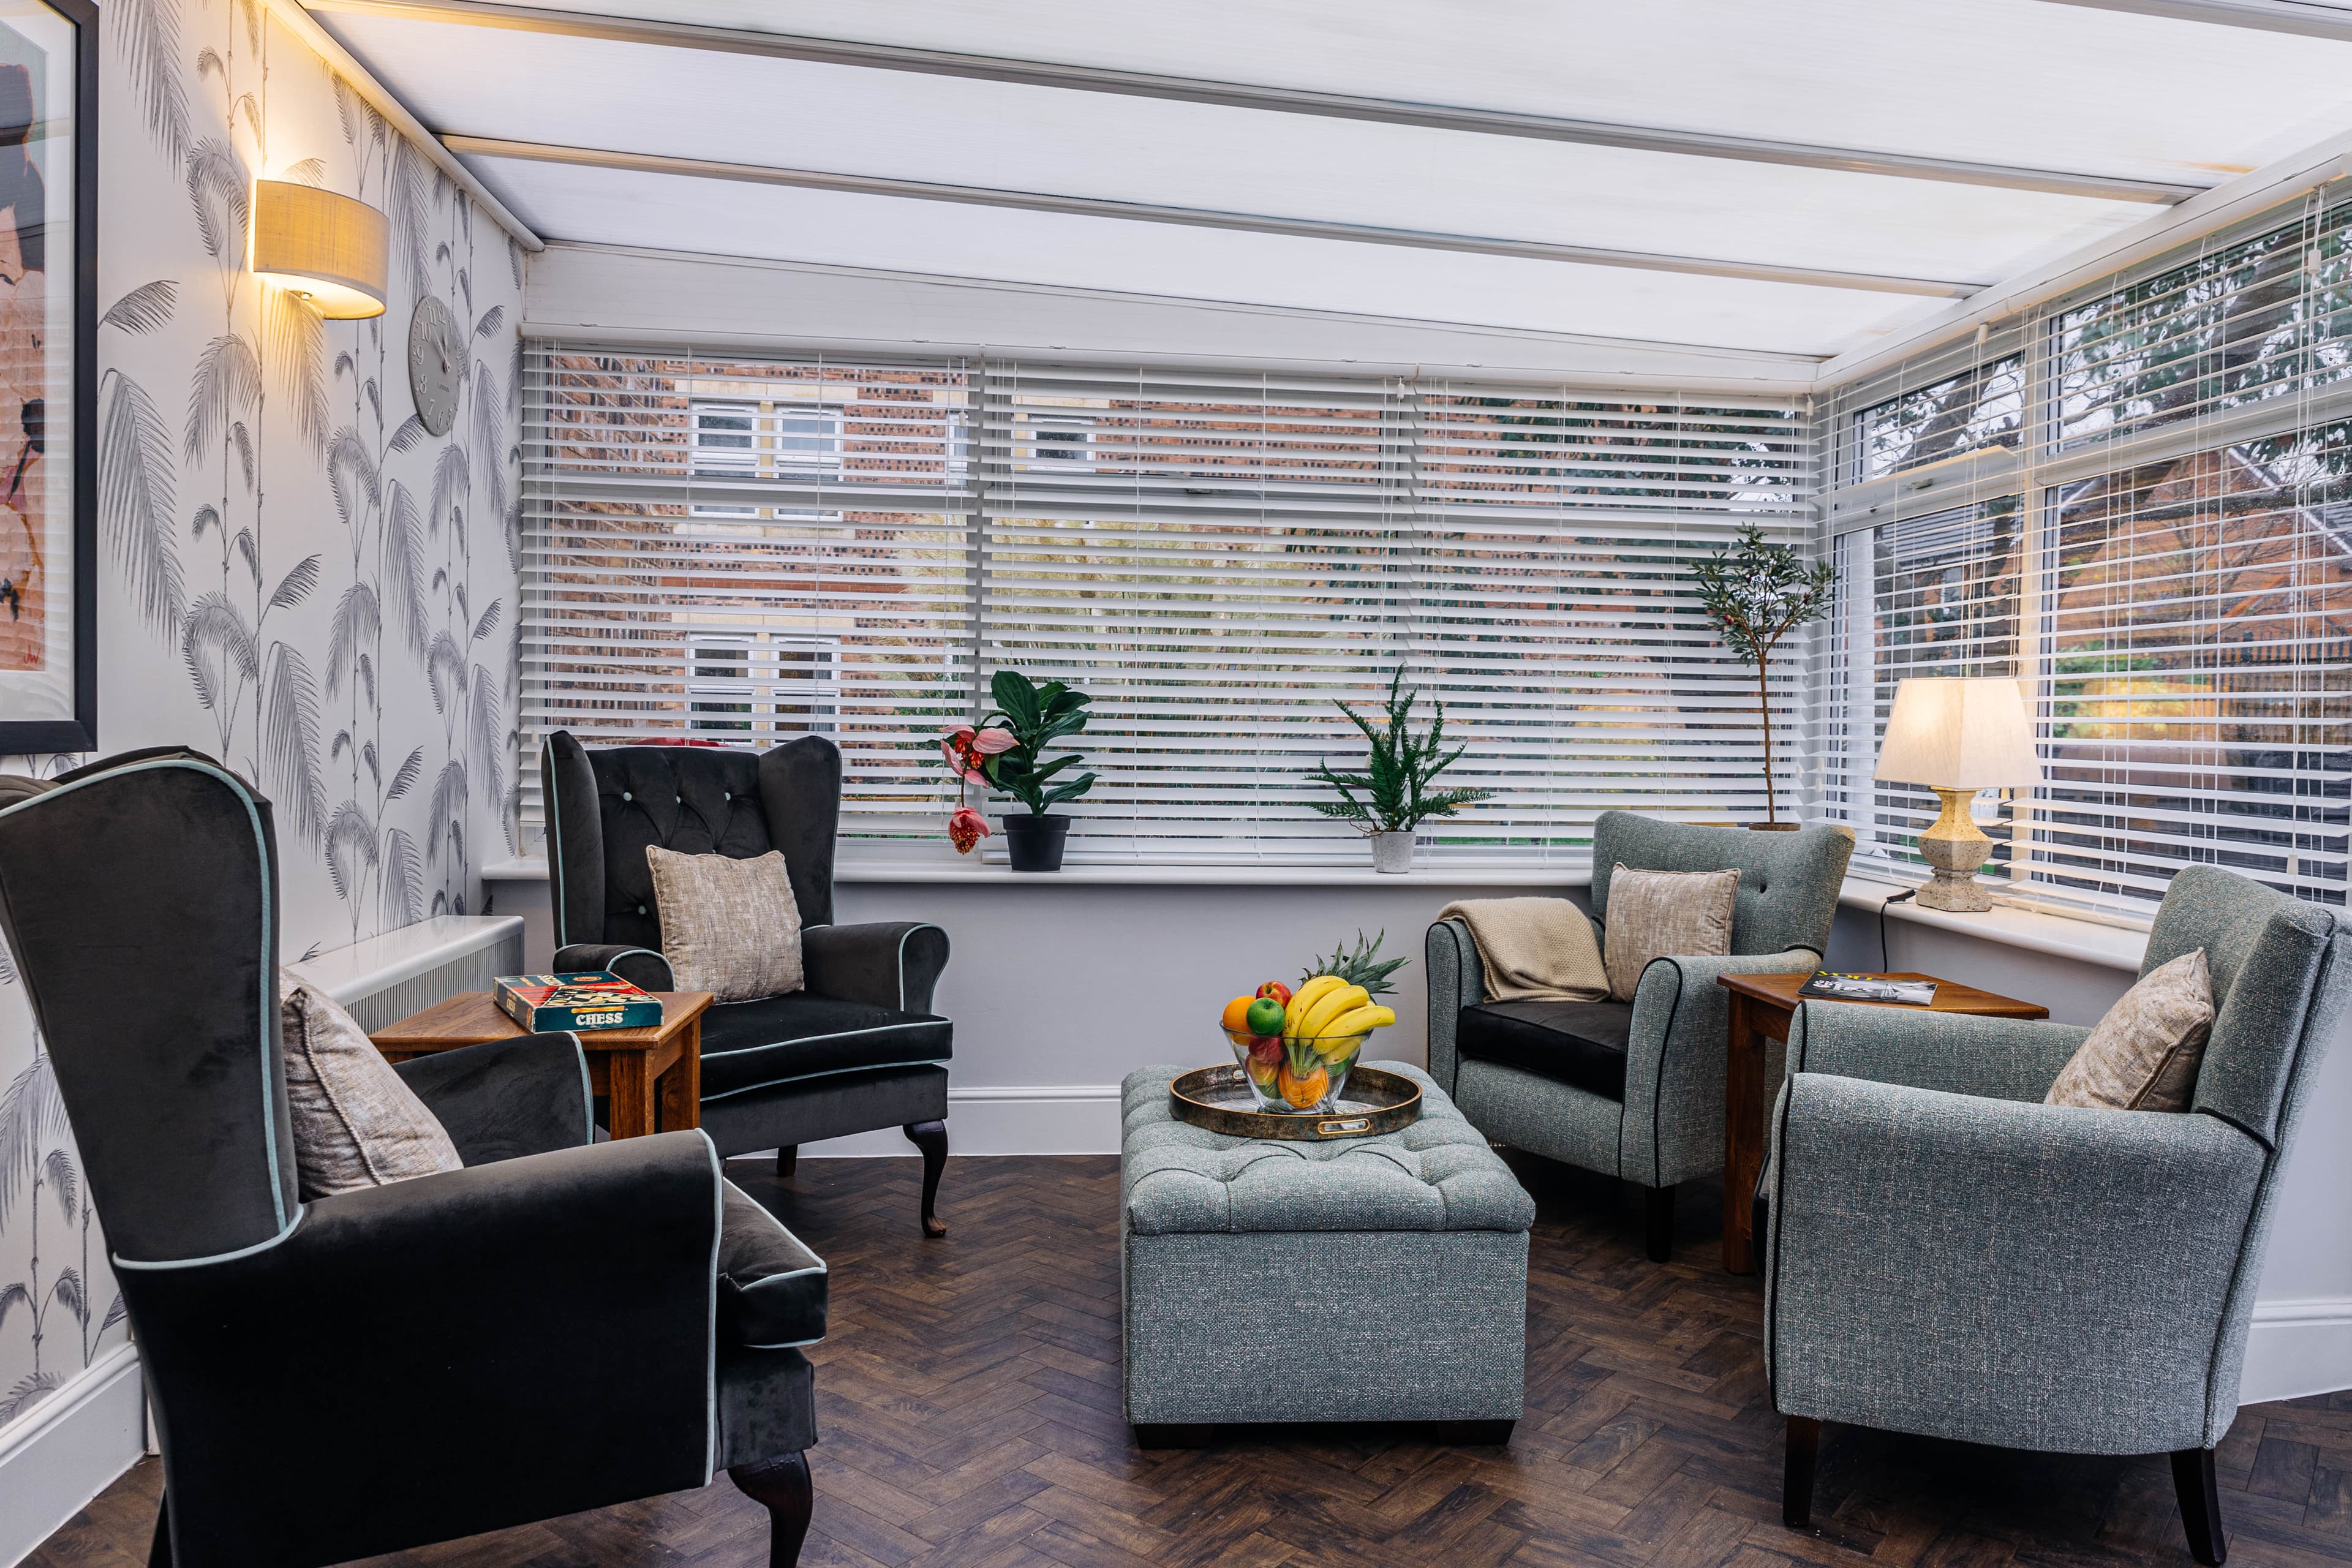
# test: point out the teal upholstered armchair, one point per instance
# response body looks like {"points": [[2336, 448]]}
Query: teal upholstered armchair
{"points": [[1949, 1256], [1633, 1089]]}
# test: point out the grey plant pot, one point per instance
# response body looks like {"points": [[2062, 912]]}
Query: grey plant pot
{"points": [[1392, 853]]}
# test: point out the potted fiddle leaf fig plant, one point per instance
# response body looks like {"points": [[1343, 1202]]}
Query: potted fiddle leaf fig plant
{"points": [[1391, 795], [1036, 716], [1756, 593]]}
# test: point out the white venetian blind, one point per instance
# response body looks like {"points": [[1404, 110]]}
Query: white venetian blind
{"points": [[735, 549], [2199, 690], [729, 548], [1558, 615], [2235, 324], [1938, 594]]}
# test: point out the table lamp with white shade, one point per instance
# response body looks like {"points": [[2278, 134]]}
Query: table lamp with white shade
{"points": [[1957, 736]]}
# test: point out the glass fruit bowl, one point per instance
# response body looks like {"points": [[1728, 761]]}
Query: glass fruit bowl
{"points": [[1291, 1075]]}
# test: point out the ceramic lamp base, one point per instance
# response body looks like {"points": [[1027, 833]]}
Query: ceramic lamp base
{"points": [[1955, 847]]}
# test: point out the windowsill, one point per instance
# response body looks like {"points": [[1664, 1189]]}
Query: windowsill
{"points": [[2037, 931]]}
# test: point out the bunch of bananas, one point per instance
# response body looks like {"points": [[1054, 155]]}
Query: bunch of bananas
{"points": [[1323, 1027], [1328, 1009]]}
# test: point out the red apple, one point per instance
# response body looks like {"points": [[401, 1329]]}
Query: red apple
{"points": [[1277, 990]]}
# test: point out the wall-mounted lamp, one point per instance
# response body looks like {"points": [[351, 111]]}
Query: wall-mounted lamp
{"points": [[330, 249]]}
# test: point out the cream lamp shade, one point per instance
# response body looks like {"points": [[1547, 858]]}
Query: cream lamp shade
{"points": [[331, 250], [1957, 736], [1968, 734]]}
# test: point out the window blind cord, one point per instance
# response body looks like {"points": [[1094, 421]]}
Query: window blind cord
{"points": [[1884, 963]]}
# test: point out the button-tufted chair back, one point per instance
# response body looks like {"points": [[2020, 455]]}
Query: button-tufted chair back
{"points": [[1789, 882], [604, 807]]}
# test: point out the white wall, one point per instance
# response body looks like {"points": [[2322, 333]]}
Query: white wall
{"points": [[261, 545]]}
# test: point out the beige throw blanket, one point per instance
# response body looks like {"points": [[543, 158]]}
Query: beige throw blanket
{"points": [[1534, 949]]}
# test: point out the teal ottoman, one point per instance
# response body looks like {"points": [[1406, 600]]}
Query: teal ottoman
{"points": [[1364, 1279]]}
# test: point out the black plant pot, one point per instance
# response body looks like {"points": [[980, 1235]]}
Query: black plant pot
{"points": [[1034, 843]]}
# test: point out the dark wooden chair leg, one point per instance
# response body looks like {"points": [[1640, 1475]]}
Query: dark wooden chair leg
{"points": [[1658, 1222], [1797, 1480], [787, 1158], [781, 1486], [2200, 1505], [160, 1554], [931, 1138]]}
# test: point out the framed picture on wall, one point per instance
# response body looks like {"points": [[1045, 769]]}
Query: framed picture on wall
{"points": [[48, 375]]}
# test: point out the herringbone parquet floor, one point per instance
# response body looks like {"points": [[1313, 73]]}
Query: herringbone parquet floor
{"points": [[971, 1417]]}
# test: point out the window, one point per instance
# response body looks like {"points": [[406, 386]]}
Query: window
{"points": [[1983, 407], [1938, 594], [2231, 327], [2167, 570], [1220, 557], [760, 685]]}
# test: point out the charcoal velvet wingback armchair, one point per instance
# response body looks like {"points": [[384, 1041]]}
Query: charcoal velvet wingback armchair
{"points": [[858, 1049], [1948, 1256], [1633, 1089], [561, 1325]]}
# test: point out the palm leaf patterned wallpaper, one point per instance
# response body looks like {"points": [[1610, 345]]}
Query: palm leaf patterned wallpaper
{"points": [[295, 576]]}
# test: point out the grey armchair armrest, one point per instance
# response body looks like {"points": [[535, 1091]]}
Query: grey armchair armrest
{"points": [[409, 1299], [640, 966], [508, 1097], [1674, 1062], [1456, 981], [2037, 1277], [885, 963], [2002, 1058]]}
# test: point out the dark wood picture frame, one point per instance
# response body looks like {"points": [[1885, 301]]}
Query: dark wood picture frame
{"points": [[79, 733]]}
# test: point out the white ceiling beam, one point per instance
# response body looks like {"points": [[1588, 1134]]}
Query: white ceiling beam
{"points": [[2295, 16], [340, 60], [1242, 95], [1198, 217]]}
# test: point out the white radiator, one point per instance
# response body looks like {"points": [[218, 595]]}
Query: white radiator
{"points": [[384, 978]]}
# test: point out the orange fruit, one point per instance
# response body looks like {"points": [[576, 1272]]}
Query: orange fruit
{"points": [[1237, 1014], [1302, 1092]]}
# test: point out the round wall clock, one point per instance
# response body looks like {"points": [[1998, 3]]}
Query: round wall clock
{"points": [[436, 358]]}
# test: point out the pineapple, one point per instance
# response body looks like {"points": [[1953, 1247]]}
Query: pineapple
{"points": [[1363, 967]]}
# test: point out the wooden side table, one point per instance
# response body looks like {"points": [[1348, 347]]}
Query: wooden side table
{"points": [[651, 1078], [1761, 1006]]}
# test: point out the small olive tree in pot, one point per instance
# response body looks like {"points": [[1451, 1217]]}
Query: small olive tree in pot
{"points": [[1391, 796], [1755, 595]]}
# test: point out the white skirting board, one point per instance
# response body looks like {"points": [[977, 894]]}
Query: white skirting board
{"points": [[69, 1449], [1011, 1119], [2297, 1348]]}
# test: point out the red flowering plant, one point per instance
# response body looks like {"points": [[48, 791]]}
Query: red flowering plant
{"points": [[966, 751]]}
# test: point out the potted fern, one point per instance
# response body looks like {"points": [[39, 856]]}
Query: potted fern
{"points": [[1391, 796]]}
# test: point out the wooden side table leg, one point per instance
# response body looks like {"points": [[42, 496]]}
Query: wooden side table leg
{"points": [[681, 1086], [1743, 1132], [630, 1102]]}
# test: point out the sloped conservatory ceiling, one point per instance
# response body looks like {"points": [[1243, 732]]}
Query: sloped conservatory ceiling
{"points": [[1847, 166]]}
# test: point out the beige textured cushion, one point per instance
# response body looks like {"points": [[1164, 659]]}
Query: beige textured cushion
{"points": [[1664, 914], [728, 927], [356, 1124], [2144, 1055]]}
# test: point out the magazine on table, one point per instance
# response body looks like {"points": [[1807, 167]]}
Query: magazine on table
{"points": [[1830, 985]]}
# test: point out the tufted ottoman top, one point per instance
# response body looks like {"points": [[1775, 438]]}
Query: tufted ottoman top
{"points": [[1436, 1174]]}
